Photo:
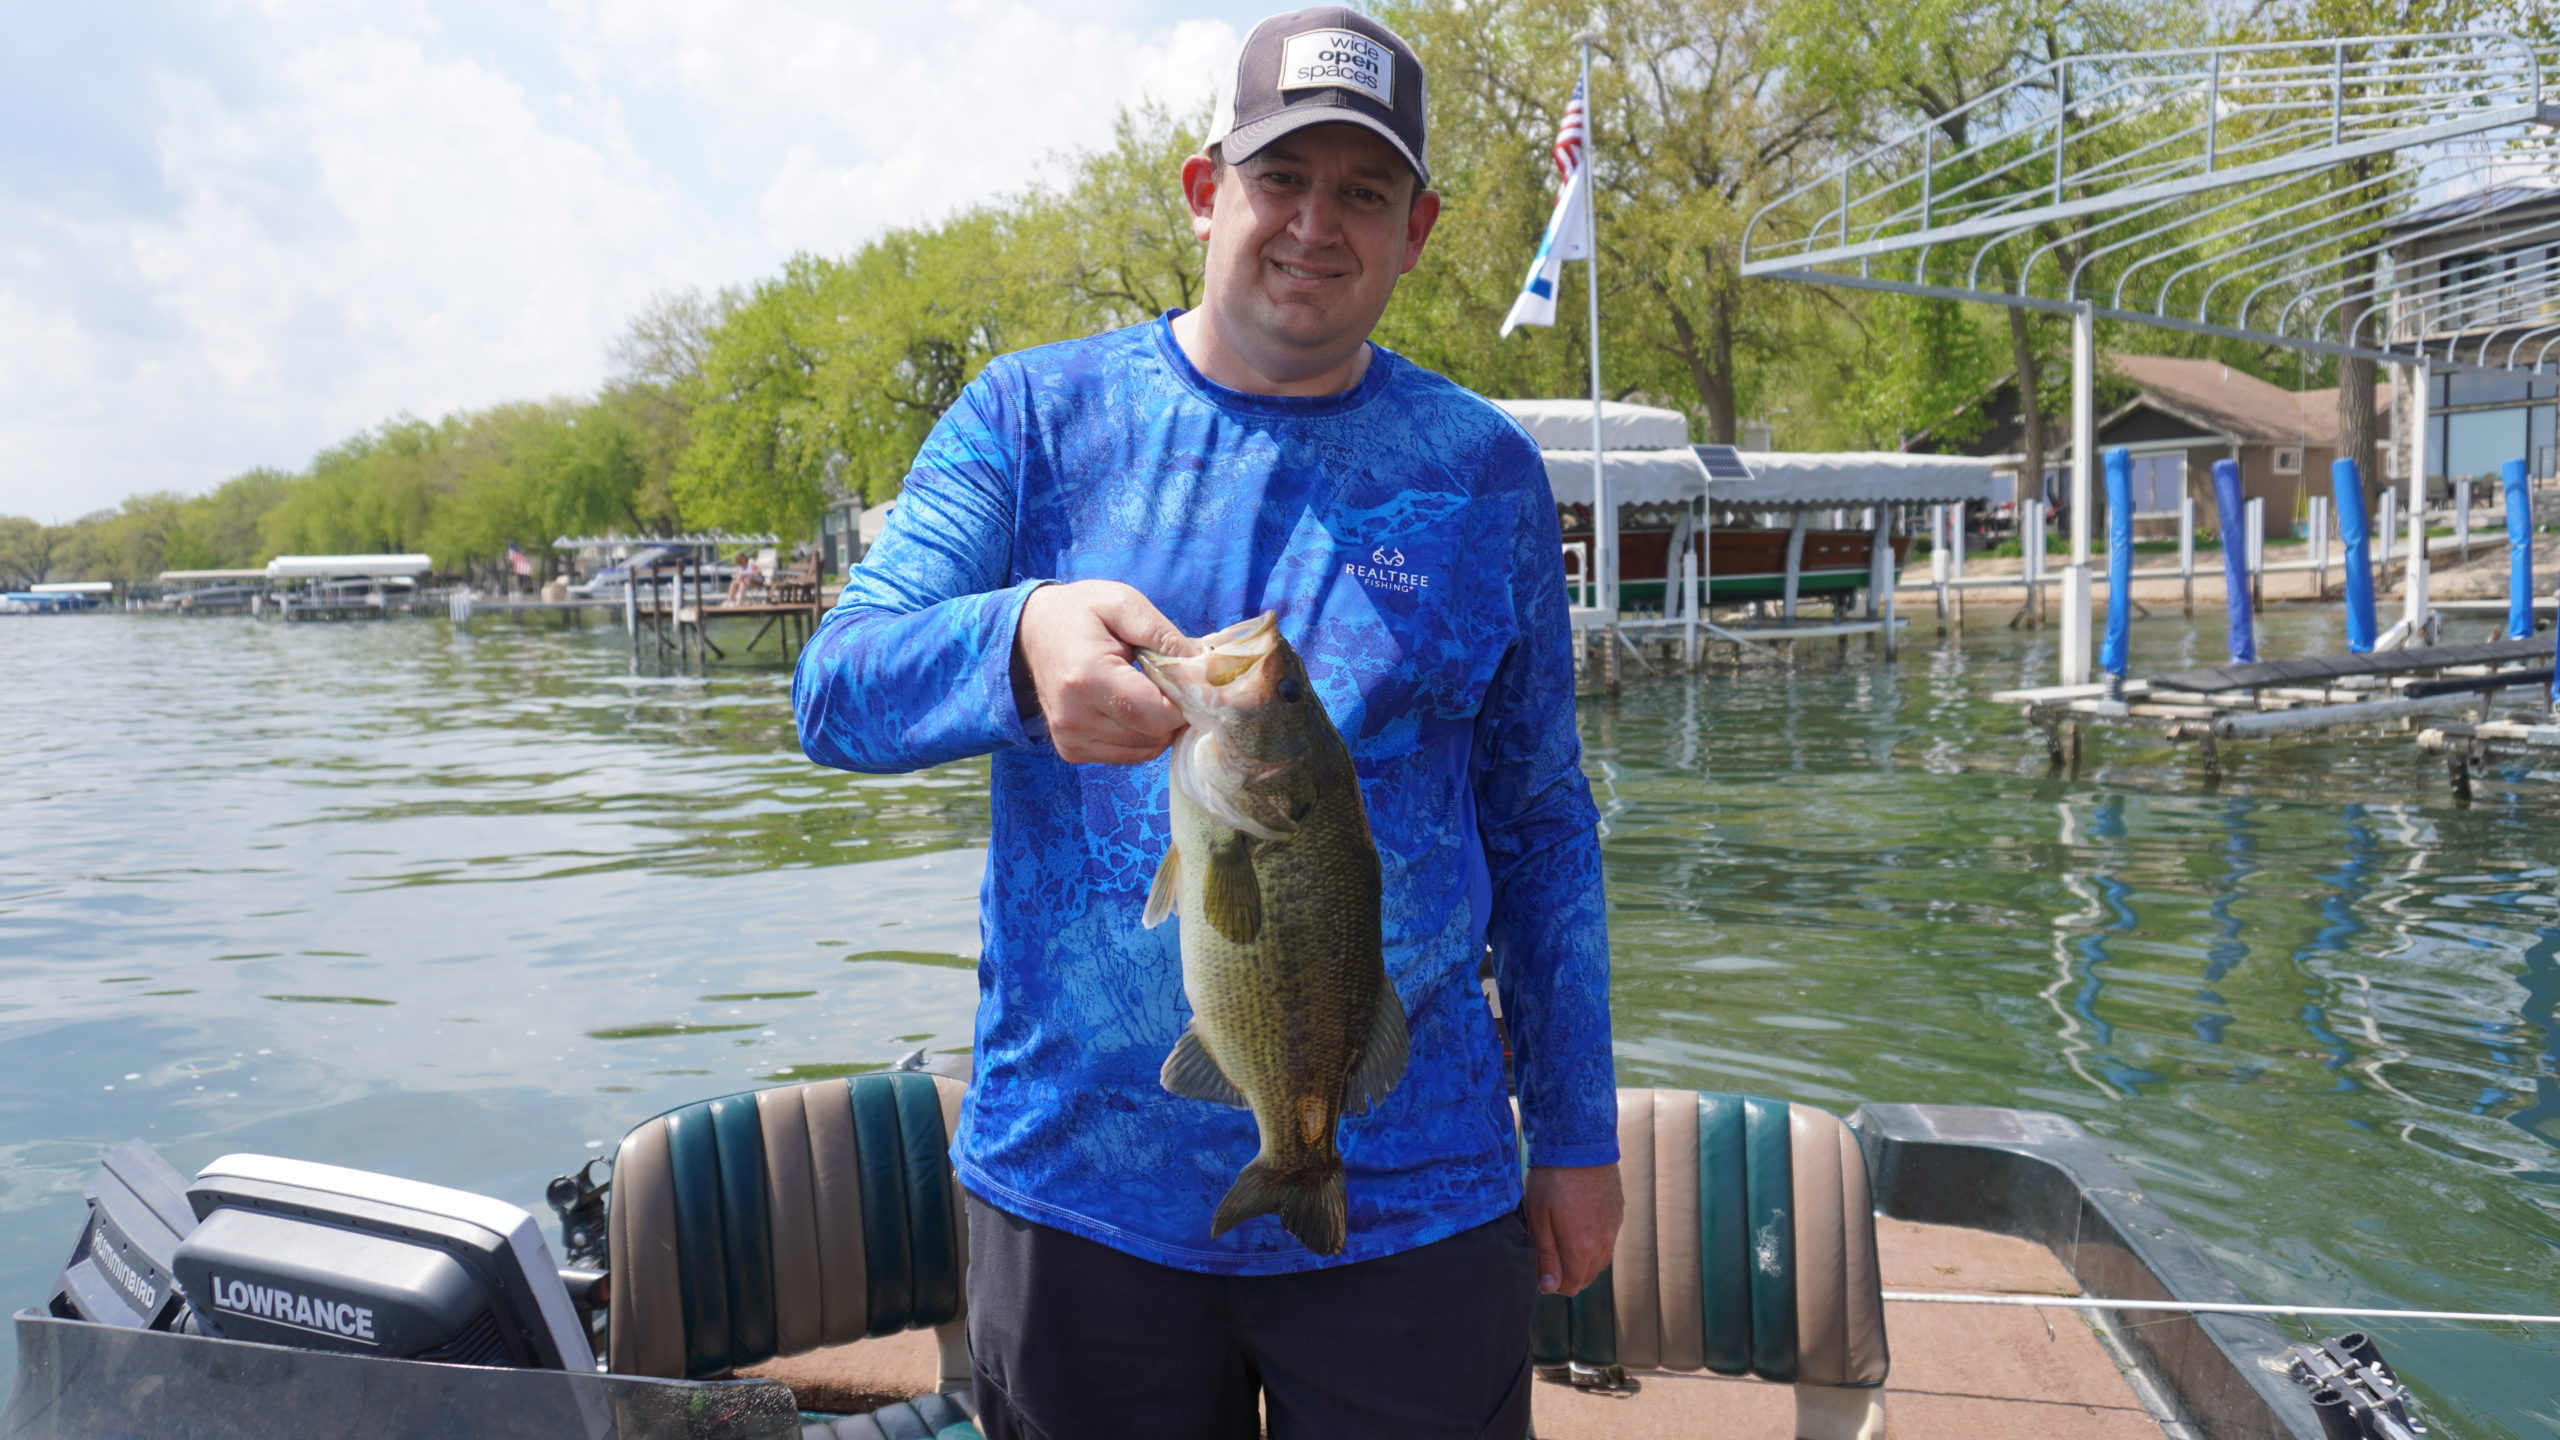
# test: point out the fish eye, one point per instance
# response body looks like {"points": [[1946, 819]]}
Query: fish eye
{"points": [[1289, 689]]}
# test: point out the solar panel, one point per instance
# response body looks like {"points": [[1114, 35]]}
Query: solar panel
{"points": [[1723, 462]]}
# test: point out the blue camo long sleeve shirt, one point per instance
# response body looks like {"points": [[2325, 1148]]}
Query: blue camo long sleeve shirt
{"points": [[1404, 532]]}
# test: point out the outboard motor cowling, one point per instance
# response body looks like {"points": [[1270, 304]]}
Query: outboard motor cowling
{"points": [[119, 1273]]}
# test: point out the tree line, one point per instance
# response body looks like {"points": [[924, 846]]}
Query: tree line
{"points": [[754, 407]]}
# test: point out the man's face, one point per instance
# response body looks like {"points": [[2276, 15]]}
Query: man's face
{"points": [[1306, 239]]}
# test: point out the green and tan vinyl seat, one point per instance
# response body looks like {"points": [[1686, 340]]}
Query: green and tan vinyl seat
{"points": [[780, 1221], [1749, 1249]]}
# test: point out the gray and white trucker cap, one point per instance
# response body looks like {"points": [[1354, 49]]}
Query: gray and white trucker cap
{"points": [[1323, 66]]}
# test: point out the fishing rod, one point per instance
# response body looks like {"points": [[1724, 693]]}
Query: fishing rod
{"points": [[2211, 1307]]}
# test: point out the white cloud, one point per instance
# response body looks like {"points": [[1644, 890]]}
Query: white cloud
{"points": [[330, 214], [917, 111]]}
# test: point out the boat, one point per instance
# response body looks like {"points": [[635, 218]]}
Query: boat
{"points": [[789, 1264], [213, 600], [60, 598], [1741, 564], [340, 587]]}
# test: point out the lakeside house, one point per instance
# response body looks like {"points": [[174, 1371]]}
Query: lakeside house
{"points": [[2180, 416]]}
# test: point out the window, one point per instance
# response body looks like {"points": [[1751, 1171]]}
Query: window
{"points": [[2469, 388], [2288, 460], [2477, 442]]}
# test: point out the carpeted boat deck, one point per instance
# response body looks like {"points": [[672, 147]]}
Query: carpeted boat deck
{"points": [[1959, 1373]]}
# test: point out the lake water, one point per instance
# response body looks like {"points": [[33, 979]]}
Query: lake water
{"points": [[465, 906]]}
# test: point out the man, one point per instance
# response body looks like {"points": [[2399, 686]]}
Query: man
{"points": [[1167, 480]]}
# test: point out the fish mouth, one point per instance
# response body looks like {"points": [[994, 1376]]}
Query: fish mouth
{"points": [[1206, 682]]}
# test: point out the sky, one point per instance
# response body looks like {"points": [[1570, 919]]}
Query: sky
{"points": [[234, 232]]}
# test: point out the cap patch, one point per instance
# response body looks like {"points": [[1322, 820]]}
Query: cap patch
{"points": [[1344, 59]]}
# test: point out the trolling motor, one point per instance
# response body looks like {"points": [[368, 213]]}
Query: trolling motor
{"points": [[2353, 1389], [316, 1257]]}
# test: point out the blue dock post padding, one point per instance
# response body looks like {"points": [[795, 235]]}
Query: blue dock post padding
{"points": [[2111, 652], [2356, 529], [2519, 498], [2235, 559]]}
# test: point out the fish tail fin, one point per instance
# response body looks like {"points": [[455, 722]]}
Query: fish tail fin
{"points": [[1310, 1202]]}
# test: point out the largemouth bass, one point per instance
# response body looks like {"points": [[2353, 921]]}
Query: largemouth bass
{"points": [[1276, 880]]}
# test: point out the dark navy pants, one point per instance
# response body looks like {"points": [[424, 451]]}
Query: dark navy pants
{"points": [[1077, 1341]]}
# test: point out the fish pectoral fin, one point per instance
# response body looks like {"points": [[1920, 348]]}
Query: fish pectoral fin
{"points": [[1192, 1073], [1382, 1061], [1232, 895], [1166, 891]]}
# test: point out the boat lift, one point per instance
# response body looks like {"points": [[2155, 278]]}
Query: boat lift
{"points": [[2373, 685], [1777, 566], [2197, 190]]}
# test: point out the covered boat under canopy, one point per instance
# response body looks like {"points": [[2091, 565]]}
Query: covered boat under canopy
{"points": [[1664, 499]]}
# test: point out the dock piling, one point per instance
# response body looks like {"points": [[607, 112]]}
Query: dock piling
{"points": [[2187, 550], [2516, 490]]}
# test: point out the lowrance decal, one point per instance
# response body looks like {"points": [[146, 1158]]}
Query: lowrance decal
{"points": [[278, 1305]]}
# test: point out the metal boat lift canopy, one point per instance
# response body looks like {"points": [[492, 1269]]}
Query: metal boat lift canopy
{"points": [[1776, 480], [347, 567], [2209, 190]]}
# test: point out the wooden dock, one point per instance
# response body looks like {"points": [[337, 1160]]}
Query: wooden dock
{"points": [[677, 624]]}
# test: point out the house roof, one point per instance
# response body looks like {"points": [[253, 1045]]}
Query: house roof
{"points": [[2214, 398], [2223, 401], [2480, 204]]}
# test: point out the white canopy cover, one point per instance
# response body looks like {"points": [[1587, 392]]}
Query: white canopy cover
{"points": [[1636, 477], [1781, 480], [74, 587], [1566, 425], [1784, 479], [341, 567]]}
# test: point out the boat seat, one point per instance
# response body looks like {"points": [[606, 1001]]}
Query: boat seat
{"points": [[1749, 1248], [779, 1221], [927, 1417]]}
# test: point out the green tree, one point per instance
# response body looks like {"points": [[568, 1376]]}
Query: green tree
{"points": [[1117, 232], [30, 551], [219, 530]]}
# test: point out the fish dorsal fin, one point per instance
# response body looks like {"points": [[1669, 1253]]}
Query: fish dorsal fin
{"points": [[1231, 895], [1165, 894], [1382, 1063], [1192, 1073]]}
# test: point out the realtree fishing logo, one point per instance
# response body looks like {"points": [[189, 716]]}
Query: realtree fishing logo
{"points": [[1385, 571]]}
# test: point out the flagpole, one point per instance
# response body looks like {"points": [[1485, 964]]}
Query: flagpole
{"points": [[1604, 518]]}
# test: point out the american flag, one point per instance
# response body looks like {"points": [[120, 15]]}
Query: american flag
{"points": [[1568, 227], [1572, 138], [518, 561]]}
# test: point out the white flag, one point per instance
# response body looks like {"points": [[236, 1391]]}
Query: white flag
{"points": [[1568, 228]]}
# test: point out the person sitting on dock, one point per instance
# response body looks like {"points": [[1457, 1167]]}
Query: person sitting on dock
{"points": [[745, 579], [1257, 453]]}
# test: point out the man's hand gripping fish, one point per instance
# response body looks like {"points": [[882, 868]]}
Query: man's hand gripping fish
{"points": [[1276, 879]]}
